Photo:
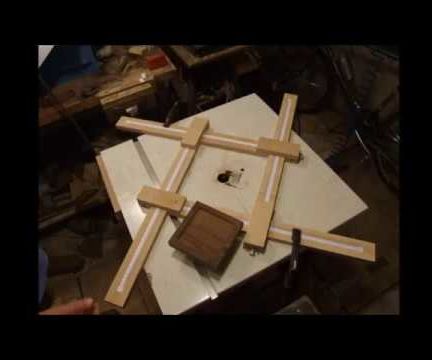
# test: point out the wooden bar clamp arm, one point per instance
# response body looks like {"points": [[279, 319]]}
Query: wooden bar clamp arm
{"points": [[166, 200], [289, 151], [193, 135]]}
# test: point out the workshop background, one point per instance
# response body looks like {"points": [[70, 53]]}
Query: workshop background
{"points": [[86, 242]]}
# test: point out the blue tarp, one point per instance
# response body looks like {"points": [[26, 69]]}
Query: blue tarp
{"points": [[67, 62]]}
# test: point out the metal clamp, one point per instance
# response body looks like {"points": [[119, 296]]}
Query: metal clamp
{"points": [[293, 265]]}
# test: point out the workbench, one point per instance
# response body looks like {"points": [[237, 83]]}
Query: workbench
{"points": [[113, 91], [311, 195]]}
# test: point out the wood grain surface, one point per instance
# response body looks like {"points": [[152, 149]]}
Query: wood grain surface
{"points": [[207, 235]]}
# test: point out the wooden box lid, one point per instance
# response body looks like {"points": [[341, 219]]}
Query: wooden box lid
{"points": [[207, 235]]}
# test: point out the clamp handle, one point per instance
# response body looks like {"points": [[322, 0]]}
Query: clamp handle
{"points": [[293, 265]]}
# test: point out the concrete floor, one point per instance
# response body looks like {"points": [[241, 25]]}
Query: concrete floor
{"points": [[374, 287], [356, 287]]}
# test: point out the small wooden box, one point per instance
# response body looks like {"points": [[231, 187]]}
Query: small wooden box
{"points": [[208, 236]]}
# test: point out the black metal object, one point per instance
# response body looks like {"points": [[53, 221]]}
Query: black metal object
{"points": [[169, 117], [293, 264]]}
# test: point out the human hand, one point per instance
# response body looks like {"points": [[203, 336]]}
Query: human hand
{"points": [[78, 307]]}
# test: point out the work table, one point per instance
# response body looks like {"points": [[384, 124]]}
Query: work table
{"points": [[311, 195]]}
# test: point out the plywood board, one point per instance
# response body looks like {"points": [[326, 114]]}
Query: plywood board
{"points": [[311, 195], [127, 176]]}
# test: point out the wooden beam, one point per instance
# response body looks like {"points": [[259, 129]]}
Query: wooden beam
{"points": [[147, 233], [257, 236], [194, 133], [191, 60], [176, 132], [268, 146], [166, 200], [141, 126]]}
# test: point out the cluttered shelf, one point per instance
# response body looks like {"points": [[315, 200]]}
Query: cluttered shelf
{"points": [[127, 73]]}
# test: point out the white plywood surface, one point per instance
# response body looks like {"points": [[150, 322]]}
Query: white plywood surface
{"points": [[127, 175], [248, 117], [311, 194], [177, 293]]}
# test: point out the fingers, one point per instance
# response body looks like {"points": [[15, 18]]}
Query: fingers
{"points": [[78, 307], [96, 310]]}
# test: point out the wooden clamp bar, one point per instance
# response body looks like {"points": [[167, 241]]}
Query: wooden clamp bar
{"points": [[141, 126], [176, 132], [323, 241], [262, 213], [289, 151], [134, 260], [194, 133], [166, 200], [313, 239], [147, 233]]}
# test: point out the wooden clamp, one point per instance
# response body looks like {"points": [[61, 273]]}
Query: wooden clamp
{"points": [[258, 226], [194, 133], [256, 236], [312, 239], [289, 151], [167, 200], [140, 248]]}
